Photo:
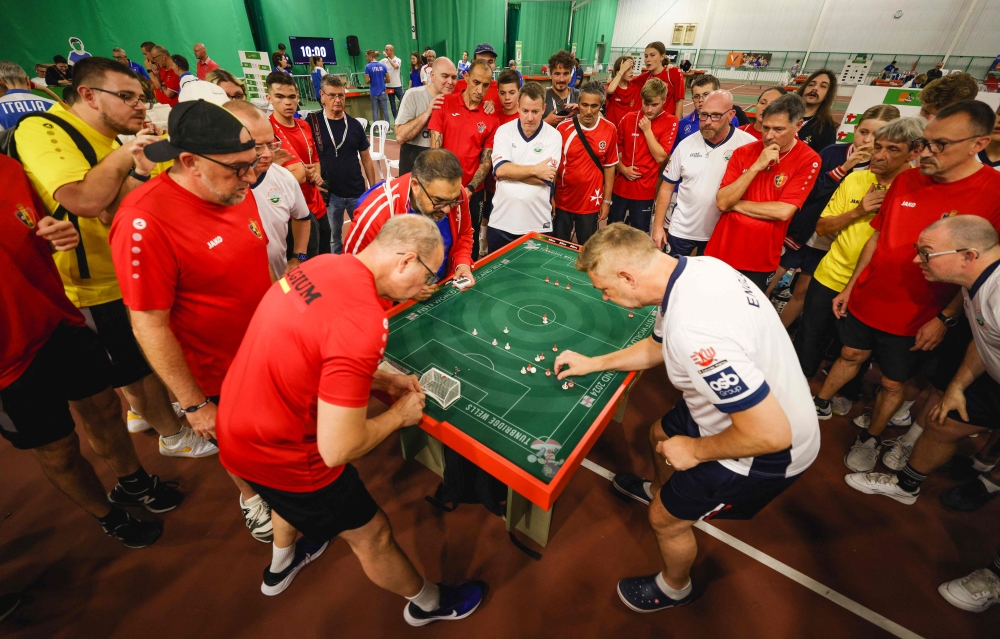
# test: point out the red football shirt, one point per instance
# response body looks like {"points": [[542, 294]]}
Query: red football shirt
{"points": [[579, 183], [33, 301], [749, 128], [749, 244], [502, 119], [205, 263], [674, 78], [319, 332], [634, 152], [891, 294], [171, 81], [298, 140], [467, 132], [624, 101]]}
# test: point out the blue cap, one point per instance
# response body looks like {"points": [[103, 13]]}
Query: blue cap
{"points": [[485, 47]]}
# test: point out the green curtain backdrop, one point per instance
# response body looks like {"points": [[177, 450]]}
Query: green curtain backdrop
{"points": [[593, 23], [461, 24], [375, 26], [543, 30], [33, 32], [513, 20]]}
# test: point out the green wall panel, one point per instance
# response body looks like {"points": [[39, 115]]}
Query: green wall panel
{"points": [[461, 24], [592, 21], [543, 30]]}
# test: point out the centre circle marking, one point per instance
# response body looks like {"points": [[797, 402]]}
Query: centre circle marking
{"points": [[532, 314]]}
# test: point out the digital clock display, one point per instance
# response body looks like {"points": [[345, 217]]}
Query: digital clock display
{"points": [[301, 49]]}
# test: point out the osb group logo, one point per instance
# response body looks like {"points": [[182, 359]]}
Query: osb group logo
{"points": [[780, 179], [255, 228]]}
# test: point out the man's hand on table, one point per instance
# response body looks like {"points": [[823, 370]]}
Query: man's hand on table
{"points": [[570, 364], [463, 270], [410, 408]]}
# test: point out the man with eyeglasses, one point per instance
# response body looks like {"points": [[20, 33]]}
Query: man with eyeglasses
{"points": [[433, 189], [701, 87], [120, 55], [695, 170], [340, 142], [887, 304], [297, 139], [190, 251], [166, 79], [86, 186]]}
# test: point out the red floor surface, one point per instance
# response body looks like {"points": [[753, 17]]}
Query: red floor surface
{"points": [[202, 578]]}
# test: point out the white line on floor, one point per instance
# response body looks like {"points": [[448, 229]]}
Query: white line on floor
{"points": [[804, 580]]}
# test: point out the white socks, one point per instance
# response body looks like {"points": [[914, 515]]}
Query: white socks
{"points": [[903, 410], [646, 486], [429, 597], [281, 558], [980, 467], [990, 486], [674, 594], [912, 435]]}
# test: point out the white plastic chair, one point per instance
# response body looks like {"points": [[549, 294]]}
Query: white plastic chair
{"points": [[364, 124], [377, 141]]}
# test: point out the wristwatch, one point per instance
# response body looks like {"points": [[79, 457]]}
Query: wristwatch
{"points": [[607, 201], [141, 178], [947, 321], [195, 409], [302, 257]]}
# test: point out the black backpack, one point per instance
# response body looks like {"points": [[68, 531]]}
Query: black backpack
{"points": [[8, 147]]}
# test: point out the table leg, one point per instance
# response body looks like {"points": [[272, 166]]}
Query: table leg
{"points": [[427, 450], [528, 518]]}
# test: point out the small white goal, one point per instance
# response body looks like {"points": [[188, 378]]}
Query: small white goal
{"points": [[441, 387]]}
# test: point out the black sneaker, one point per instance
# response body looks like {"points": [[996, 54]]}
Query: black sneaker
{"points": [[8, 604], [135, 533], [961, 469], [968, 496], [641, 594], [632, 486], [457, 602], [305, 553], [159, 498], [823, 413]]}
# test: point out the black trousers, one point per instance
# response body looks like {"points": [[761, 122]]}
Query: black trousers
{"points": [[817, 328], [585, 224]]}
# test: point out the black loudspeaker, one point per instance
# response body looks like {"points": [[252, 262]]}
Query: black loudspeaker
{"points": [[353, 48]]}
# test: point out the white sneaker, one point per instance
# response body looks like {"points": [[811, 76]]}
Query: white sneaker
{"points": [[841, 405], [897, 421], [974, 592], [880, 484], [178, 410], [188, 445], [136, 424], [257, 514], [863, 457], [898, 455]]}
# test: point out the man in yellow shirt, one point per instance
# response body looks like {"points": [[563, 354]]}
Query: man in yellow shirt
{"points": [[847, 216], [81, 173]]}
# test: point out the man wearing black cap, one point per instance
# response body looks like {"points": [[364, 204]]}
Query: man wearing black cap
{"points": [[485, 53], [191, 256]]}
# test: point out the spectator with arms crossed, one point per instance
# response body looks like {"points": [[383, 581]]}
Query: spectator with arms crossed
{"points": [[415, 112]]}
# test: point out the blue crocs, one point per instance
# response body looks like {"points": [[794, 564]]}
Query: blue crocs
{"points": [[641, 594]]}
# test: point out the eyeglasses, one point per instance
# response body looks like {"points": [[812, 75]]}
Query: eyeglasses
{"points": [[130, 99], [335, 96], [237, 95], [271, 146], [926, 257], [432, 277], [936, 146], [440, 206], [240, 170], [714, 117]]}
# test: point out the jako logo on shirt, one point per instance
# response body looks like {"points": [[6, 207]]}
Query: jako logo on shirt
{"points": [[704, 356], [274, 196], [255, 229], [909, 204], [726, 383], [780, 179], [213, 243]]}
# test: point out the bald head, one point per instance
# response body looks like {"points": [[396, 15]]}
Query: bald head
{"points": [[965, 231], [718, 104], [409, 234], [200, 52], [718, 101], [444, 75]]}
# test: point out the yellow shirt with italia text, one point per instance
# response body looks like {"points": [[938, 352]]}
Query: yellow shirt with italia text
{"points": [[52, 160], [835, 270]]}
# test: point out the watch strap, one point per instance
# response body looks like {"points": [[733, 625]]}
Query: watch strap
{"points": [[195, 409], [141, 178], [947, 321]]}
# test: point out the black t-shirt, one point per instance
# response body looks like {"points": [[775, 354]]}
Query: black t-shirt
{"points": [[53, 75], [817, 136], [934, 74], [341, 166]]}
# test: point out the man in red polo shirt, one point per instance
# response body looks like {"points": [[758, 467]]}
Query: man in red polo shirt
{"points": [[297, 416], [888, 306], [191, 257], [463, 127], [297, 139], [491, 99], [205, 64], [166, 80], [583, 185], [765, 183], [50, 361], [433, 189], [645, 138]]}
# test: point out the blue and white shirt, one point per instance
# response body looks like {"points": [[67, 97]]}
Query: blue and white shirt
{"points": [[726, 350], [19, 103]]}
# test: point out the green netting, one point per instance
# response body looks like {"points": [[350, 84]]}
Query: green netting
{"points": [[593, 23], [32, 32], [460, 25], [543, 29]]}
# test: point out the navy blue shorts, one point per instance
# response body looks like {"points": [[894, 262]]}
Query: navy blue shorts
{"points": [[682, 246], [710, 490], [805, 259], [982, 403]]}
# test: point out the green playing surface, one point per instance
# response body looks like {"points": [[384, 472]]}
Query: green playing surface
{"points": [[527, 418]]}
